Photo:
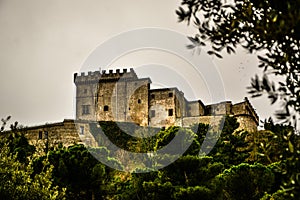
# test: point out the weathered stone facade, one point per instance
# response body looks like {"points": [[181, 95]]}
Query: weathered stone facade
{"points": [[119, 96], [50, 135], [67, 133], [123, 97], [166, 105]]}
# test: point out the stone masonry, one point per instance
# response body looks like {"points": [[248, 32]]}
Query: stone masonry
{"points": [[123, 97]]}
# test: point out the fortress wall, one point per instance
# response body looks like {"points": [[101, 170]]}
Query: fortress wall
{"points": [[180, 104], [161, 101], [214, 121], [246, 123], [195, 108], [105, 102], [138, 102], [64, 132], [222, 108]]}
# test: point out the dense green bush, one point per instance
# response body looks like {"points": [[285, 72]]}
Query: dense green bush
{"points": [[19, 182], [246, 182]]}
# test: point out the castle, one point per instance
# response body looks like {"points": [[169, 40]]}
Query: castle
{"points": [[121, 96]]}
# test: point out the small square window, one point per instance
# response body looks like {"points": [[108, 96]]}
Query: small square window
{"points": [[171, 94], [85, 109], [170, 112], [46, 134], [152, 113], [105, 108], [139, 101], [81, 131], [40, 135]]}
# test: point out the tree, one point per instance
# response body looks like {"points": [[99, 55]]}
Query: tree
{"points": [[18, 181], [274, 143], [245, 181], [76, 169], [269, 27], [287, 169], [189, 177], [16, 141], [231, 148]]}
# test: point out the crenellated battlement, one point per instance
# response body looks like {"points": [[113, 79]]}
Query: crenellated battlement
{"points": [[104, 75]]}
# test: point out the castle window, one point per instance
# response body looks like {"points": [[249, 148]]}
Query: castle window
{"points": [[85, 91], [152, 113], [139, 101], [152, 96], [170, 112], [40, 135], [85, 109], [46, 134], [171, 94], [81, 130], [105, 108]]}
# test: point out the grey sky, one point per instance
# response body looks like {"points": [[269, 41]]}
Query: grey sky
{"points": [[44, 42]]}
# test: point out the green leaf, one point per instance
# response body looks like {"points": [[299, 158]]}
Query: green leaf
{"points": [[190, 46], [211, 53], [291, 147], [230, 49]]}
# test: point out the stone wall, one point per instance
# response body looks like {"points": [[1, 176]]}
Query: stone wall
{"points": [[222, 108], [180, 104], [83, 131], [247, 123], [86, 94], [245, 108], [138, 102], [67, 133], [213, 121], [123, 101], [165, 106], [53, 134], [112, 96], [195, 108]]}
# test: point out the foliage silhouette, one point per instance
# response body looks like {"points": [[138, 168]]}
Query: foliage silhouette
{"points": [[269, 28]]}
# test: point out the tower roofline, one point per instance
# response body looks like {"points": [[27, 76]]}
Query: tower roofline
{"points": [[96, 76]]}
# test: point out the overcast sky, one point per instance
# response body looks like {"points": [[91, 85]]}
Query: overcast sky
{"points": [[43, 43]]}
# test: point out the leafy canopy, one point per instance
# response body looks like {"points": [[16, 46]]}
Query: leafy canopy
{"points": [[271, 28]]}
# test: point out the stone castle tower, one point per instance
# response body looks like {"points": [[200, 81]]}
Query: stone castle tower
{"points": [[123, 97], [119, 96]]}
